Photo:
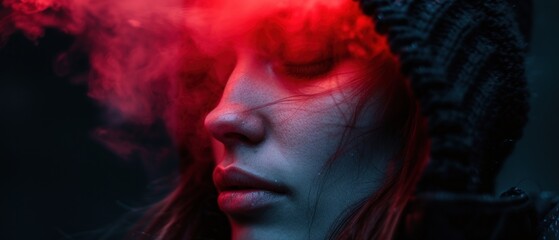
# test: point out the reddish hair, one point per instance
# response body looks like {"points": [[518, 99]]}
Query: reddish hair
{"points": [[378, 216]]}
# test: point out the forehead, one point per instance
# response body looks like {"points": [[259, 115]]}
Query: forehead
{"points": [[215, 24], [252, 9]]}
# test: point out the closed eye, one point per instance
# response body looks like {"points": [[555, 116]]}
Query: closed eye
{"points": [[309, 70]]}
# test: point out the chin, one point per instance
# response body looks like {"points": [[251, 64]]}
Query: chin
{"points": [[256, 232]]}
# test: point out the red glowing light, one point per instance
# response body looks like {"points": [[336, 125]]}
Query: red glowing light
{"points": [[153, 60]]}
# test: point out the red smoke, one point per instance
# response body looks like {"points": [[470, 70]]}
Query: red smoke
{"points": [[134, 49], [153, 60]]}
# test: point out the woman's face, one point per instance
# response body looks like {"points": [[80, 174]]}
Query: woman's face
{"points": [[292, 151]]}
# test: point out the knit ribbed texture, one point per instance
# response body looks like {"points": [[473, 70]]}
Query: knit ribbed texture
{"points": [[465, 61]]}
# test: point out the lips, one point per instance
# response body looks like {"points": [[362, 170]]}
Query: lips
{"points": [[241, 192], [235, 179]]}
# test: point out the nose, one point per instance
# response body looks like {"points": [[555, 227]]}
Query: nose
{"points": [[234, 124], [236, 119]]}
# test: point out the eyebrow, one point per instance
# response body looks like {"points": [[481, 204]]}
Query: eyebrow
{"points": [[280, 35]]}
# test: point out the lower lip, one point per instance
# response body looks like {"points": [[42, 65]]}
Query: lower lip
{"points": [[246, 201]]}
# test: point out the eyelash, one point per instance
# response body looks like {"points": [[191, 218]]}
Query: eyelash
{"points": [[308, 70]]}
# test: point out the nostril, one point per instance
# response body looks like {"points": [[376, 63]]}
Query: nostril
{"points": [[233, 124], [237, 137]]}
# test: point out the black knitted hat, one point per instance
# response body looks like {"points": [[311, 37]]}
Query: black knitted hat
{"points": [[465, 61]]}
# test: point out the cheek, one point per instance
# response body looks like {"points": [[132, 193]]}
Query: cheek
{"points": [[317, 126], [325, 162], [310, 131]]}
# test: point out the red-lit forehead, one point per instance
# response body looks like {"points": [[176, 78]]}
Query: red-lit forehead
{"points": [[273, 24]]}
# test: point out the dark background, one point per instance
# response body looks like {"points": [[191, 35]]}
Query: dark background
{"points": [[57, 182]]}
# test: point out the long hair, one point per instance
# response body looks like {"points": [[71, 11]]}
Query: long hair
{"points": [[191, 211], [378, 216]]}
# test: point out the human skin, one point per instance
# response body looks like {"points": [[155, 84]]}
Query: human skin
{"points": [[293, 129]]}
